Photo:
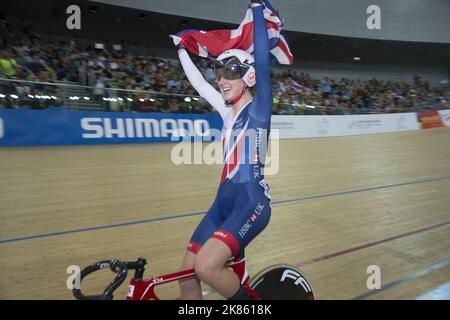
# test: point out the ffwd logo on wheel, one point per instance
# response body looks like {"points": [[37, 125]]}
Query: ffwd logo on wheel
{"points": [[299, 280]]}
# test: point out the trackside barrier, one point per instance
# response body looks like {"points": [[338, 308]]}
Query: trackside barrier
{"points": [[53, 127]]}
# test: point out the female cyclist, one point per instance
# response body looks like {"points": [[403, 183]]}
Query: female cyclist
{"points": [[241, 209]]}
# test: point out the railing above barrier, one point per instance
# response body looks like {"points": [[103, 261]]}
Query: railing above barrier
{"points": [[15, 93]]}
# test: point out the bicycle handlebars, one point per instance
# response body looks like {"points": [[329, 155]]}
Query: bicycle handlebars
{"points": [[121, 268]]}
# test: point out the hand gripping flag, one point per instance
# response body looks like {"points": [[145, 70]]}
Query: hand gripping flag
{"points": [[212, 43]]}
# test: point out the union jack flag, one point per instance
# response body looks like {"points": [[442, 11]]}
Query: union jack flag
{"points": [[297, 87], [212, 43]]}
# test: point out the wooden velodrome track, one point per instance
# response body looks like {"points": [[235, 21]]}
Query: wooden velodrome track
{"points": [[339, 205]]}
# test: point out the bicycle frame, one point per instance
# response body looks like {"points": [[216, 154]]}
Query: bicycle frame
{"points": [[145, 289], [140, 289]]}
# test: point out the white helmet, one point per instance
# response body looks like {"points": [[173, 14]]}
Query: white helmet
{"points": [[239, 62]]}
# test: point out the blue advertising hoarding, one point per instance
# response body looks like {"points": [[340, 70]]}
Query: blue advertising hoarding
{"points": [[57, 127]]}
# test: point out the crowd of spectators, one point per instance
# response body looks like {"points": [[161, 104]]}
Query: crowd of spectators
{"points": [[299, 92], [151, 84]]}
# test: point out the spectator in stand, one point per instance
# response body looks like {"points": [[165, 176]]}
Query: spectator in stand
{"points": [[325, 87], [8, 65], [174, 84], [99, 90], [36, 66], [209, 74]]}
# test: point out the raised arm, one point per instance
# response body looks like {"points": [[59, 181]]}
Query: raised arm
{"points": [[264, 100], [202, 86]]}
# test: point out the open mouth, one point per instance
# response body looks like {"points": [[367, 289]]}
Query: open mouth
{"points": [[226, 90]]}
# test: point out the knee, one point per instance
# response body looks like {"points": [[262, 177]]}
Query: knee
{"points": [[205, 269]]}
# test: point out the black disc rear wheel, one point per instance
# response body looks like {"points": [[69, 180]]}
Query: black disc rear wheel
{"points": [[282, 282]]}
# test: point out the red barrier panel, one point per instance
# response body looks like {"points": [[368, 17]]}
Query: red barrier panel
{"points": [[430, 119]]}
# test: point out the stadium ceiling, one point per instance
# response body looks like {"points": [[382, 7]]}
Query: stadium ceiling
{"points": [[101, 22]]}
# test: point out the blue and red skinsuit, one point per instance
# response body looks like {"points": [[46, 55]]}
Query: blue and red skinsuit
{"points": [[242, 209]]}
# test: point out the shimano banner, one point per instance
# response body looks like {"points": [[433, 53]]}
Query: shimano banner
{"points": [[65, 127]]}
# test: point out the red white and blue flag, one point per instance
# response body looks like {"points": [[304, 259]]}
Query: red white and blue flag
{"points": [[213, 43], [297, 87]]}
